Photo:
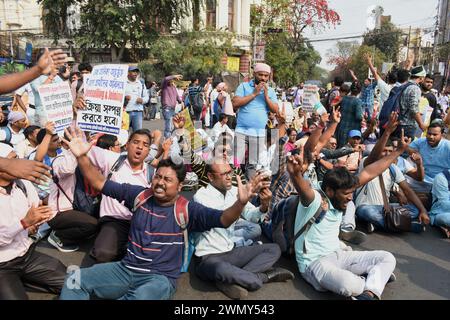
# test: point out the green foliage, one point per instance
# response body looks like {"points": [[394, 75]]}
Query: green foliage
{"points": [[386, 39], [290, 67], [190, 53], [358, 62], [117, 23]]}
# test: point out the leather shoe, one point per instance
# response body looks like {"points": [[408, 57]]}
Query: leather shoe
{"points": [[279, 275]]}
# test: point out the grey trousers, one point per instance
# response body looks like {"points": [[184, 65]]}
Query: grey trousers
{"points": [[341, 272], [240, 265]]}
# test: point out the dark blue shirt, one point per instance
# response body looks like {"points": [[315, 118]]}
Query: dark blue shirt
{"points": [[155, 241]]}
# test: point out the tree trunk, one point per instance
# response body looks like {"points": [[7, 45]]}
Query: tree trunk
{"points": [[117, 53]]}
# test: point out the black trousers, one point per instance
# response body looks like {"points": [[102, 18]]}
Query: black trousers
{"points": [[111, 242], [34, 270], [240, 265], [73, 226]]}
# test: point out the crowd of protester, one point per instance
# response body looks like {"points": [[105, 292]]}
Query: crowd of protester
{"points": [[309, 184]]}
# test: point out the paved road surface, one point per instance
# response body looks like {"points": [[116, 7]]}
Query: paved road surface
{"points": [[423, 268]]}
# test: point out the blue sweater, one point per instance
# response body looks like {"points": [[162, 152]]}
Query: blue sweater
{"points": [[155, 241]]}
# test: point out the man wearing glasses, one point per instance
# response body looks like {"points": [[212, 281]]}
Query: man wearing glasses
{"points": [[235, 268]]}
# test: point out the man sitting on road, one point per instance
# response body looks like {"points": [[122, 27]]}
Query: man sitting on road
{"points": [[440, 211], [369, 198], [20, 264], [321, 261], [155, 246], [235, 269]]}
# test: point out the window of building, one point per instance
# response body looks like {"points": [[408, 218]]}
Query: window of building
{"points": [[230, 14], [211, 13]]}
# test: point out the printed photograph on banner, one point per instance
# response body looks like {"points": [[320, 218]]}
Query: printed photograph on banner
{"points": [[104, 93], [57, 101]]}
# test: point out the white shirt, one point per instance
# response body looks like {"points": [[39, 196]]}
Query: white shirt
{"points": [[370, 194], [14, 240], [17, 140], [136, 90], [213, 97], [26, 88], [385, 90], [219, 240], [218, 129]]}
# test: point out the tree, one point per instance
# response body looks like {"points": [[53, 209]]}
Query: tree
{"points": [[187, 53], [290, 67], [358, 62], [341, 55], [295, 16], [115, 24], [387, 39]]}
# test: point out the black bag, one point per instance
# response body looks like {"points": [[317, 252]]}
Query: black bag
{"points": [[283, 223], [396, 217]]}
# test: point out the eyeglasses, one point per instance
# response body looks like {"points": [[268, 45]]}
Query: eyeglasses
{"points": [[228, 173]]}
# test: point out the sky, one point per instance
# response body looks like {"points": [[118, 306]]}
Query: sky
{"points": [[404, 13]]}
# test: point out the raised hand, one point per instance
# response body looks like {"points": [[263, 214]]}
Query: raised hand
{"points": [[178, 121], [31, 170], [336, 115], [51, 60], [294, 164], [50, 128], [76, 142], [166, 145], [417, 158], [392, 123], [248, 191], [281, 115], [156, 136], [403, 143]]}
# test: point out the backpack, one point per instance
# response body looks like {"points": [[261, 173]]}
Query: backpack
{"points": [[8, 134], [181, 214], [196, 101], [19, 183], [85, 198], [283, 223], [326, 102], [392, 104]]}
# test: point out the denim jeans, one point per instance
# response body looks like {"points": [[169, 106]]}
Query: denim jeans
{"points": [[168, 113], [441, 220], [135, 120], [374, 214], [115, 281], [245, 232]]}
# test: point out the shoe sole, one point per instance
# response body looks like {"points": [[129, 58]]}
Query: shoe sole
{"points": [[354, 237], [53, 243], [232, 291]]}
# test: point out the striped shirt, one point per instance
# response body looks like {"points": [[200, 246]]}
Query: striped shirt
{"points": [[156, 242]]}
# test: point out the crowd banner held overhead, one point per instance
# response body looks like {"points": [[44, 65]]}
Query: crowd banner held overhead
{"points": [[310, 97], [57, 101], [104, 92], [387, 66]]}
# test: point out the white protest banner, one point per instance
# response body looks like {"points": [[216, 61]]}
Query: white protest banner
{"points": [[104, 93], [310, 97], [57, 101]]}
